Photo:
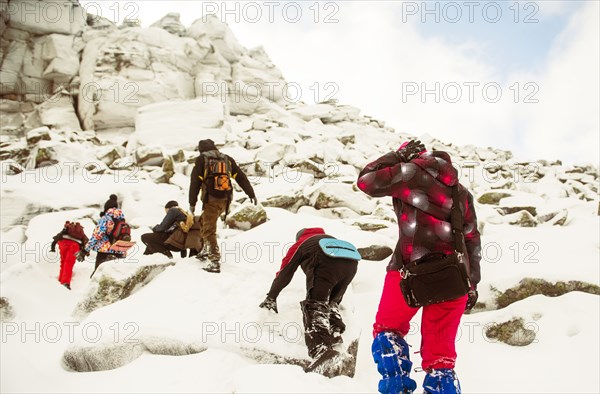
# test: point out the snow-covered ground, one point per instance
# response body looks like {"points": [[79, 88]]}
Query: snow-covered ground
{"points": [[185, 304], [190, 331]]}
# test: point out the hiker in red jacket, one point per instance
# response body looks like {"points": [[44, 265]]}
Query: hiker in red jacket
{"points": [[70, 241], [327, 279], [420, 184]]}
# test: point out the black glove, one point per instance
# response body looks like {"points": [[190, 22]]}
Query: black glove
{"points": [[410, 151], [53, 250], [269, 303], [80, 256], [253, 200], [472, 300]]}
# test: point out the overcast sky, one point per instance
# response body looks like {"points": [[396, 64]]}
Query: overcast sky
{"points": [[522, 76]]}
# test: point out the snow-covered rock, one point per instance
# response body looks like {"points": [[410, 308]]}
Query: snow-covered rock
{"points": [[375, 252], [129, 68], [36, 135], [114, 282], [41, 17], [181, 124], [247, 217], [58, 113], [171, 23], [330, 195], [6, 310]]}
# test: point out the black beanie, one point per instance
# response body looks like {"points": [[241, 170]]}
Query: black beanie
{"points": [[111, 203], [171, 204], [206, 145]]}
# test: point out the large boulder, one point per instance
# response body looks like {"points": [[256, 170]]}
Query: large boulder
{"points": [[63, 58], [114, 282], [247, 217], [46, 17], [219, 34], [330, 195], [492, 197], [180, 124], [132, 67], [58, 113], [36, 135], [522, 219], [171, 23], [375, 252]]}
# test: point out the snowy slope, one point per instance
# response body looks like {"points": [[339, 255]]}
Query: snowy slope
{"points": [[187, 304]]}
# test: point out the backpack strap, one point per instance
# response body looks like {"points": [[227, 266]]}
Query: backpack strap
{"points": [[456, 220]]}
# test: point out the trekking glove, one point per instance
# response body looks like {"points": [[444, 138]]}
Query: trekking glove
{"points": [[472, 300], [269, 303], [410, 151], [80, 256], [253, 200]]}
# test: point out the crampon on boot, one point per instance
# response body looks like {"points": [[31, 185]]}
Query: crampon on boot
{"points": [[213, 266], [441, 381], [391, 354]]}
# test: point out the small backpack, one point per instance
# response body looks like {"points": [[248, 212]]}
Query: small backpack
{"points": [[121, 231], [217, 174], [337, 248], [188, 223], [75, 230]]}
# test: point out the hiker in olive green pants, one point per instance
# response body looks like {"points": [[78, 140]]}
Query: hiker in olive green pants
{"points": [[211, 211], [212, 174]]}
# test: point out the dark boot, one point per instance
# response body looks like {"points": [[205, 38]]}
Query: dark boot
{"points": [[214, 254], [335, 321], [203, 253], [317, 333]]}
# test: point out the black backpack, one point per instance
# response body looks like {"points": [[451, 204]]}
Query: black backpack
{"points": [[217, 174]]}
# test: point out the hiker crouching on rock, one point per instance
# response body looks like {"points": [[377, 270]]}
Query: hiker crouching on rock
{"points": [[165, 237], [327, 278]]}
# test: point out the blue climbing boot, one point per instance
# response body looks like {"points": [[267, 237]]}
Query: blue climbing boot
{"points": [[441, 381], [390, 352]]}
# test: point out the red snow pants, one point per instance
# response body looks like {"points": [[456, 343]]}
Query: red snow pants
{"points": [[439, 323], [67, 250]]}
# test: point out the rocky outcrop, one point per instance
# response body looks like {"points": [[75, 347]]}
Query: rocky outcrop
{"points": [[104, 357], [112, 283], [247, 217], [6, 310], [375, 252], [513, 332]]}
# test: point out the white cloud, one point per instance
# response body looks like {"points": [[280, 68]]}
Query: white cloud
{"points": [[566, 122], [371, 55]]}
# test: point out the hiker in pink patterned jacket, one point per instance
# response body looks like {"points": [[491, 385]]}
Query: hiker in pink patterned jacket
{"points": [[420, 184]]}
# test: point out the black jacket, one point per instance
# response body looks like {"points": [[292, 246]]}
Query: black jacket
{"points": [[170, 221], [197, 179], [308, 255]]}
